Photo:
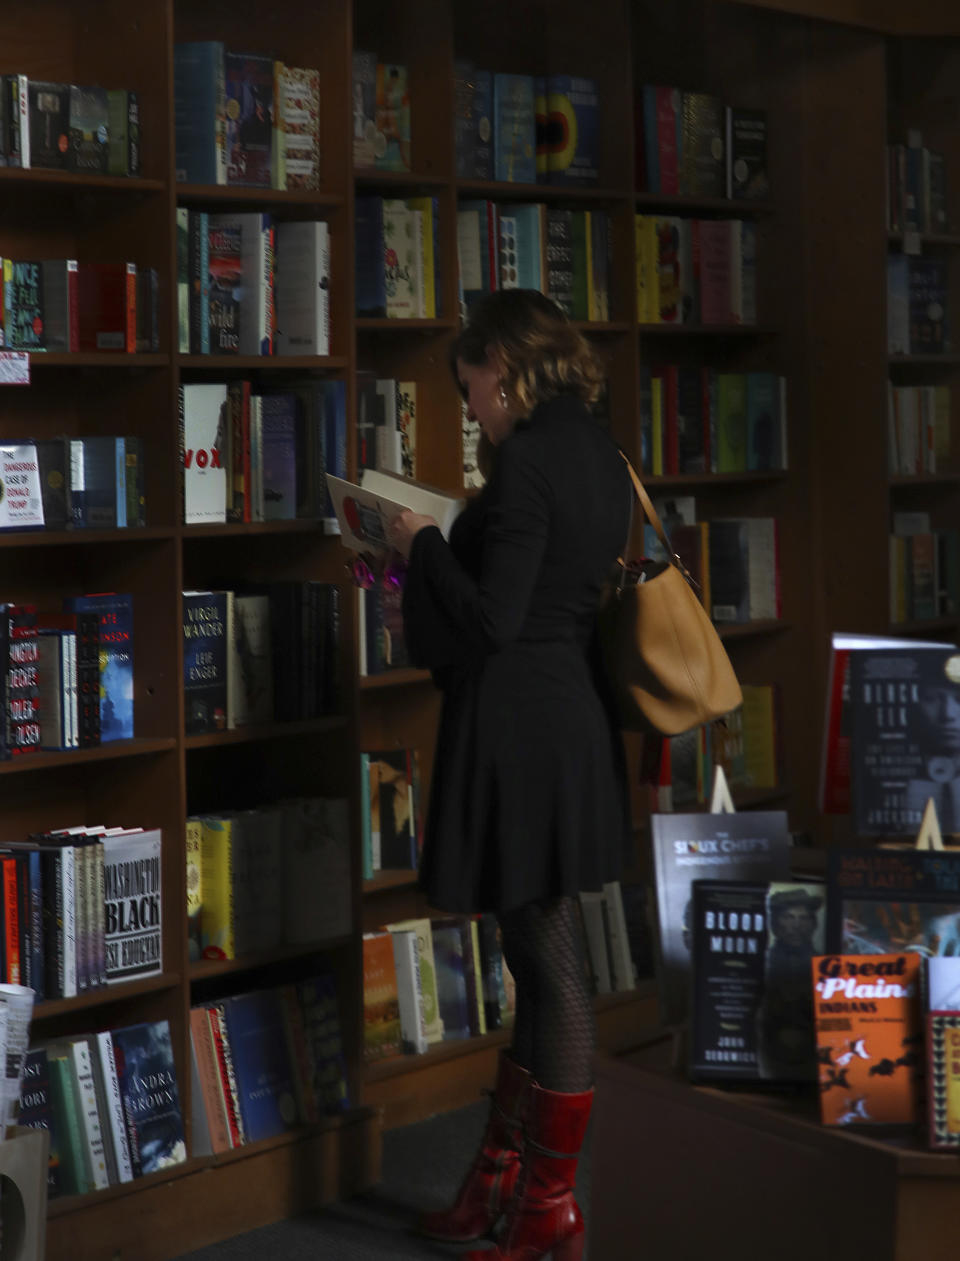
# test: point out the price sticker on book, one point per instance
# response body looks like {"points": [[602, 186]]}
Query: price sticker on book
{"points": [[14, 367]]}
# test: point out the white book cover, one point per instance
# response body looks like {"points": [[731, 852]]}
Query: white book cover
{"points": [[389, 438], [133, 941], [364, 511], [86, 1095], [401, 247], [204, 429], [21, 505], [107, 1068], [303, 288], [406, 959]]}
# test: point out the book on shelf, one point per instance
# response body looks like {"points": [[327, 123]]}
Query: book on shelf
{"points": [[249, 660], [261, 1063], [116, 648], [316, 869], [392, 782], [303, 288], [940, 1008], [514, 129], [72, 1166], [364, 124], [203, 430], [249, 119], [193, 839], [406, 958], [78, 1079], [381, 1005], [905, 704], [296, 140], [205, 660], [364, 511], [572, 123], [47, 118], [133, 904], [88, 129], [869, 1038], [35, 1111], [147, 1075], [391, 145], [200, 111], [456, 980], [473, 121], [751, 1003], [747, 176], [107, 306], [429, 1000], [748, 846]]}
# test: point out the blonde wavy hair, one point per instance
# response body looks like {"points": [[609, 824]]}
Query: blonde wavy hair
{"points": [[539, 352]]}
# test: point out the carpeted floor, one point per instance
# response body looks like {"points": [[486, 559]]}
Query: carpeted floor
{"points": [[422, 1167]]}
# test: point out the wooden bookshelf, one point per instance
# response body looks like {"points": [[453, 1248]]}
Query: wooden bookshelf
{"points": [[832, 75]]}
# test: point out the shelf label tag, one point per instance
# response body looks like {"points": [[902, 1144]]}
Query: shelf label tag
{"points": [[14, 367]]}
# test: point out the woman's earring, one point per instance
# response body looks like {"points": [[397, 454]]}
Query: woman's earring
{"points": [[503, 398]]}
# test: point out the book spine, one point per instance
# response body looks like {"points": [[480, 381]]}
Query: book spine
{"points": [[89, 1114], [208, 1070], [231, 1094], [11, 923], [115, 1119]]}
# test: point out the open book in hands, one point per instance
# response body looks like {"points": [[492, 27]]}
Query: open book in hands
{"points": [[363, 511]]}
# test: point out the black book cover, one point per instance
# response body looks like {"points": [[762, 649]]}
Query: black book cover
{"points": [[205, 660], [53, 458], [35, 1111], [49, 105], [905, 738], [884, 901]]}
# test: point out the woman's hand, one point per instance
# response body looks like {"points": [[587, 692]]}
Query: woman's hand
{"points": [[404, 527]]}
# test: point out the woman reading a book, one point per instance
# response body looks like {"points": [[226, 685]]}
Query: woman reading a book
{"points": [[528, 800]]}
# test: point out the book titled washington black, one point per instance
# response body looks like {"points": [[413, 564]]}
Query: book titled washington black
{"points": [[752, 998], [905, 738]]}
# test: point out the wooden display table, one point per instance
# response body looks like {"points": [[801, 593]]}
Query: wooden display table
{"points": [[686, 1173]]}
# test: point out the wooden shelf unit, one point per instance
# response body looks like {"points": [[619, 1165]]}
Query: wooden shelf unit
{"points": [[822, 69]]}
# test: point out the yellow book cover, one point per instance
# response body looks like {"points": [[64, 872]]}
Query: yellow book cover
{"points": [[216, 880], [425, 206], [760, 735]]}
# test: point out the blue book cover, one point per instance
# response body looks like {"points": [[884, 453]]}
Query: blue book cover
{"points": [[249, 108], [334, 435], [268, 1102], [205, 661], [323, 1036], [371, 278], [198, 70], [514, 132], [151, 1100], [928, 302], [451, 979], [573, 134], [280, 464], [651, 151], [116, 659]]}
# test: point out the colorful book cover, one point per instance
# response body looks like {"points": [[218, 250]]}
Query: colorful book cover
{"points": [[225, 276], [115, 611], [869, 1040], [249, 108], [392, 118], [572, 130], [940, 994], [205, 629], [261, 1063], [364, 108], [151, 1101], [23, 310], [381, 1007], [216, 878], [297, 126]]}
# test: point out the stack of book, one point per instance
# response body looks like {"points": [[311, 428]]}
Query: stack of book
{"points": [[565, 254], [916, 187], [68, 127], [244, 119], [924, 569], [261, 456], [270, 654], [276, 875], [61, 305], [110, 1102], [265, 1062], [918, 427], [693, 144]]}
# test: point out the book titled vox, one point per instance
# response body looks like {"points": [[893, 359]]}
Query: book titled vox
{"points": [[753, 845], [905, 738]]}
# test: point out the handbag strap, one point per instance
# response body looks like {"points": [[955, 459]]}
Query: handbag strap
{"points": [[648, 510]]}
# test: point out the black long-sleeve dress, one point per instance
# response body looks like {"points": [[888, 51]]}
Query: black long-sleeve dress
{"points": [[528, 798]]}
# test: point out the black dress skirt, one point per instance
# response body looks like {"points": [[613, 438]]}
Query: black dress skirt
{"points": [[528, 798]]}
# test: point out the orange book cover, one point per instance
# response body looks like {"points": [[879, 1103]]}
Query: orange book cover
{"points": [[11, 920], [381, 1005], [869, 1039]]}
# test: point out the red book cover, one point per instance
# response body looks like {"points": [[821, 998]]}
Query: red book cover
{"points": [[714, 271], [11, 921], [228, 1086], [23, 679], [107, 296]]}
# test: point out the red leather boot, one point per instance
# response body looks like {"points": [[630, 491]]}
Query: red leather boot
{"points": [[489, 1184], [543, 1219]]}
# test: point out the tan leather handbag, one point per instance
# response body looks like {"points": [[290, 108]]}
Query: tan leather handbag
{"points": [[666, 664]]}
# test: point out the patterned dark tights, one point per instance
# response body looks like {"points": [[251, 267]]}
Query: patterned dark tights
{"points": [[554, 1032]]}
